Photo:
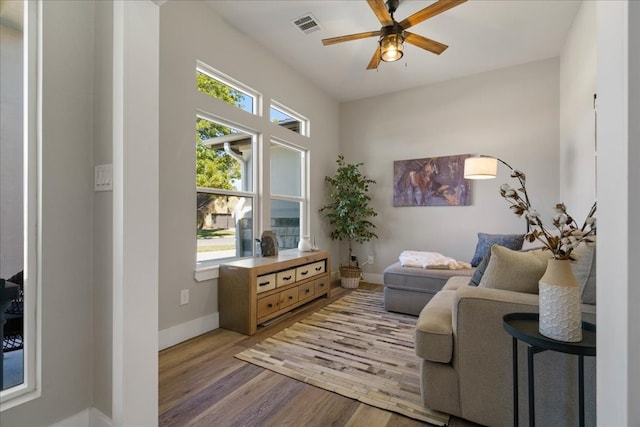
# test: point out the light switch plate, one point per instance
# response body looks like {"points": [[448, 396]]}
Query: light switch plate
{"points": [[103, 179]]}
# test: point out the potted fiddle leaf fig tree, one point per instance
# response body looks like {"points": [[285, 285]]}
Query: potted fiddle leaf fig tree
{"points": [[349, 214]]}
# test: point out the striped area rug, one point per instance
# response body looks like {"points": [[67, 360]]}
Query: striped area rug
{"points": [[355, 348]]}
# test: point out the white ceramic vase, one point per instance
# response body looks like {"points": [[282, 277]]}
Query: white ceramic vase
{"points": [[559, 292], [304, 245]]}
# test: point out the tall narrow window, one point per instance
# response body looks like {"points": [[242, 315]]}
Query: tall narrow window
{"points": [[18, 189], [288, 171], [225, 196]]}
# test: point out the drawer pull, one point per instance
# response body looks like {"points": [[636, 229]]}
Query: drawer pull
{"points": [[270, 305], [304, 273], [318, 268], [286, 278], [306, 291], [290, 297], [263, 283], [321, 285]]}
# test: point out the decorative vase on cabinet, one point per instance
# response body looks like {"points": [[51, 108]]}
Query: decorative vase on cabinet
{"points": [[560, 315], [304, 245]]}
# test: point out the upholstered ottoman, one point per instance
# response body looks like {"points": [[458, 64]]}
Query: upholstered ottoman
{"points": [[409, 289]]}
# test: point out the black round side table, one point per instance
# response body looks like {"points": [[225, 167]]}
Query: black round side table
{"points": [[524, 327]]}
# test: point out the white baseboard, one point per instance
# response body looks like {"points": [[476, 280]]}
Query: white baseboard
{"points": [[372, 278], [185, 331], [98, 419], [90, 417], [368, 277]]}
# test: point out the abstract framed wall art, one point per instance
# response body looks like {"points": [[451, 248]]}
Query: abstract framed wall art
{"points": [[432, 181]]}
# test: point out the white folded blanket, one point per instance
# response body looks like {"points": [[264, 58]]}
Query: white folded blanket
{"points": [[431, 260]]}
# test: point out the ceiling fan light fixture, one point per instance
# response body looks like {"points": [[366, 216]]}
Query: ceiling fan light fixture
{"points": [[391, 43]]}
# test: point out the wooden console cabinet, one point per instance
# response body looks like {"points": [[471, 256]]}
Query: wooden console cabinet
{"points": [[252, 291]]}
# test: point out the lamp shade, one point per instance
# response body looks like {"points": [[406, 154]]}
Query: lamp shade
{"points": [[480, 167]]}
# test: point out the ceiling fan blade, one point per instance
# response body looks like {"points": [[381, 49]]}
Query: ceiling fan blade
{"points": [[425, 43], [340, 39], [380, 9], [375, 60], [430, 11]]}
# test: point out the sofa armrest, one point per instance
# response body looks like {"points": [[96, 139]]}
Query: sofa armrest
{"points": [[495, 303], [482, 355]]}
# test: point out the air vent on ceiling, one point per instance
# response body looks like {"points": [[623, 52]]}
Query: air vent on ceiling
{"points": [[306, 23]]}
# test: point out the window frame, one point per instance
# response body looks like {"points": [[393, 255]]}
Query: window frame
{"points": [[262, 131], [253, 194], [304, 122], [30, 388], [303, 199], [234, 84]]}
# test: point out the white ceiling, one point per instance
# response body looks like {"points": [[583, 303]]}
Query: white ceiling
{"points": [[482, 35]]}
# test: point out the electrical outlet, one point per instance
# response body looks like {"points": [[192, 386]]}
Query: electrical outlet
{"points": [[370, 259], [184, 296]]}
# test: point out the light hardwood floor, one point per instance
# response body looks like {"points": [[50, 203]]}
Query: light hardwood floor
{"points": [[202, 384]]}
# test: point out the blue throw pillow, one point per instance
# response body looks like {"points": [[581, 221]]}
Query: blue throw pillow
{"points": [[511, 241], [477, 275]]}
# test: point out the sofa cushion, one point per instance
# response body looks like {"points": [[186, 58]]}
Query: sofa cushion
{"points": [[434, 331], [514, 270], [419, 279], [511, 241], [456, 282]]}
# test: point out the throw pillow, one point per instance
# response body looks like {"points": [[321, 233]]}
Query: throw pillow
{"points": [[584, 270], [514, 270], [480, 269], [511, 241]]}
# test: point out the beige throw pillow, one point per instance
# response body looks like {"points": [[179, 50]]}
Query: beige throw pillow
{"points": [[515, 271]]}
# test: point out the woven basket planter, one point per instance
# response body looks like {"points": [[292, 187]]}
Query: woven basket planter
{"points": [[350, 277]]}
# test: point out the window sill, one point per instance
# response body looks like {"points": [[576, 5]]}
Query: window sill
{"points": [[16, 396], [207, 272]]}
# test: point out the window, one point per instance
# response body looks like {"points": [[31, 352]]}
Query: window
{"points": [[18, 190], [225, 197], [288, 171], [229, 212], [224, 88], [281, 115]]}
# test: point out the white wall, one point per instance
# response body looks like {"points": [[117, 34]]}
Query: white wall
{"points": [[633, 228], [190, 31], [67, 219], [510, 113], [577, 117], [103, 209], [618, 86], [136, 63]]}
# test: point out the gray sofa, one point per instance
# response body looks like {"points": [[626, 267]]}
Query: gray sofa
{"points": [[466, 366], [408, 289]]}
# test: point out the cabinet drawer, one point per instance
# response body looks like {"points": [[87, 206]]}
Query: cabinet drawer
{"points": [[309, 270], [288, 297], [285, 277], [266, 283], [268, 305], [306, 291], [321, 285], [318, 267]]}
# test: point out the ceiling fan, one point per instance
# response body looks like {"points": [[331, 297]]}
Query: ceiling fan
{"points": [[393, 34]]}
